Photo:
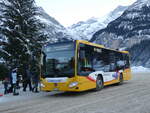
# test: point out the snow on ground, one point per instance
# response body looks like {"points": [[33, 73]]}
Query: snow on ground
{"points": [[139, 69], [22, 95]]}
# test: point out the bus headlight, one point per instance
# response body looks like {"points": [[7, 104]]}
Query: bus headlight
{"points": [[73, 84], [42, 85]]}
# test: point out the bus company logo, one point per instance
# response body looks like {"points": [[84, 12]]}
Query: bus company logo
{"points": [[115, 75]]}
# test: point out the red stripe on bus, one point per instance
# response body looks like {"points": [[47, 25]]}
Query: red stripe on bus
{"points": [[91, 79]]}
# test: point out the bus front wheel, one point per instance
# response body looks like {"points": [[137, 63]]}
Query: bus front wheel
{"points": [[99, 83]]}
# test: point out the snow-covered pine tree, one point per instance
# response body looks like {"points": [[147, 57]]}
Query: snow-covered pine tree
{"points": [[21, 29]]}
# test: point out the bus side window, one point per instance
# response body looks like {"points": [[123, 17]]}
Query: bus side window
{"points": [[112, 66], [120, 63], [85, 60]]}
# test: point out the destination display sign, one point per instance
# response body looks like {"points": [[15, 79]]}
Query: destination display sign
{"points": [[59, 47]]}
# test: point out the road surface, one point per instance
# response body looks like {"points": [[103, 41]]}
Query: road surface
{"points": [[131, 97]]}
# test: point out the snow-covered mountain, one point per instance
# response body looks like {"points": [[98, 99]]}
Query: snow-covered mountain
{"points": [[55, 31], [85, 29], [128, 29]]}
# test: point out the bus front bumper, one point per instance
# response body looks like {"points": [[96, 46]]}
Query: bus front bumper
{"points": [[73, 86]]}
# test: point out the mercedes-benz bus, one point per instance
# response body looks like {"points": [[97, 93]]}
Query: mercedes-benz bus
{"points": [[82, 65]]}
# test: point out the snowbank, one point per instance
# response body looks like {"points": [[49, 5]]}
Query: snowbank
{"points": [[21, 97], [140, 69]]}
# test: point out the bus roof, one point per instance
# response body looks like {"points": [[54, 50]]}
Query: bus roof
{"points": [[101, 46]]}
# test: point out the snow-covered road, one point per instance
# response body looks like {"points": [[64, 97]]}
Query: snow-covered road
{"points": [[131, 97]]}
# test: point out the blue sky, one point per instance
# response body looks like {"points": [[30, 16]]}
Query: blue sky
{"points": [[68, 12]]}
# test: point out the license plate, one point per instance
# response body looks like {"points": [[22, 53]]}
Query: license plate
{"points": [[53, 81], [55, 89]]}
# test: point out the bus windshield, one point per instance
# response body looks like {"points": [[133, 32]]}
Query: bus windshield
{"points": [[59, 60]]}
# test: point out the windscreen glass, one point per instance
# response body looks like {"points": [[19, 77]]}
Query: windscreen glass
{"points": [[59, 60]]}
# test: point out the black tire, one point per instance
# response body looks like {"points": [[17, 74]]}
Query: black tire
{"points": [[99, 83], [120, 79]]}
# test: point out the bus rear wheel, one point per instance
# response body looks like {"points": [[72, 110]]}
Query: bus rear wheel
{"points": [[99, 83]]}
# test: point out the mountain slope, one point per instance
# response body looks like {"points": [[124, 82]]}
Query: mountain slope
{"points": [[85, 29], [140, 54], [55, 31], [130, 28]]}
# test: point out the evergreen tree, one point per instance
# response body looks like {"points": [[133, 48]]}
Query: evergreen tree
{"points": [[22, 31], [4, 71]]}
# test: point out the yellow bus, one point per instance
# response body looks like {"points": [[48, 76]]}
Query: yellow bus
{"points": [[82, 65]]}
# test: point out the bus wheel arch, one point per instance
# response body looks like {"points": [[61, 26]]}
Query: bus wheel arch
{"points": [[99, 82]]}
